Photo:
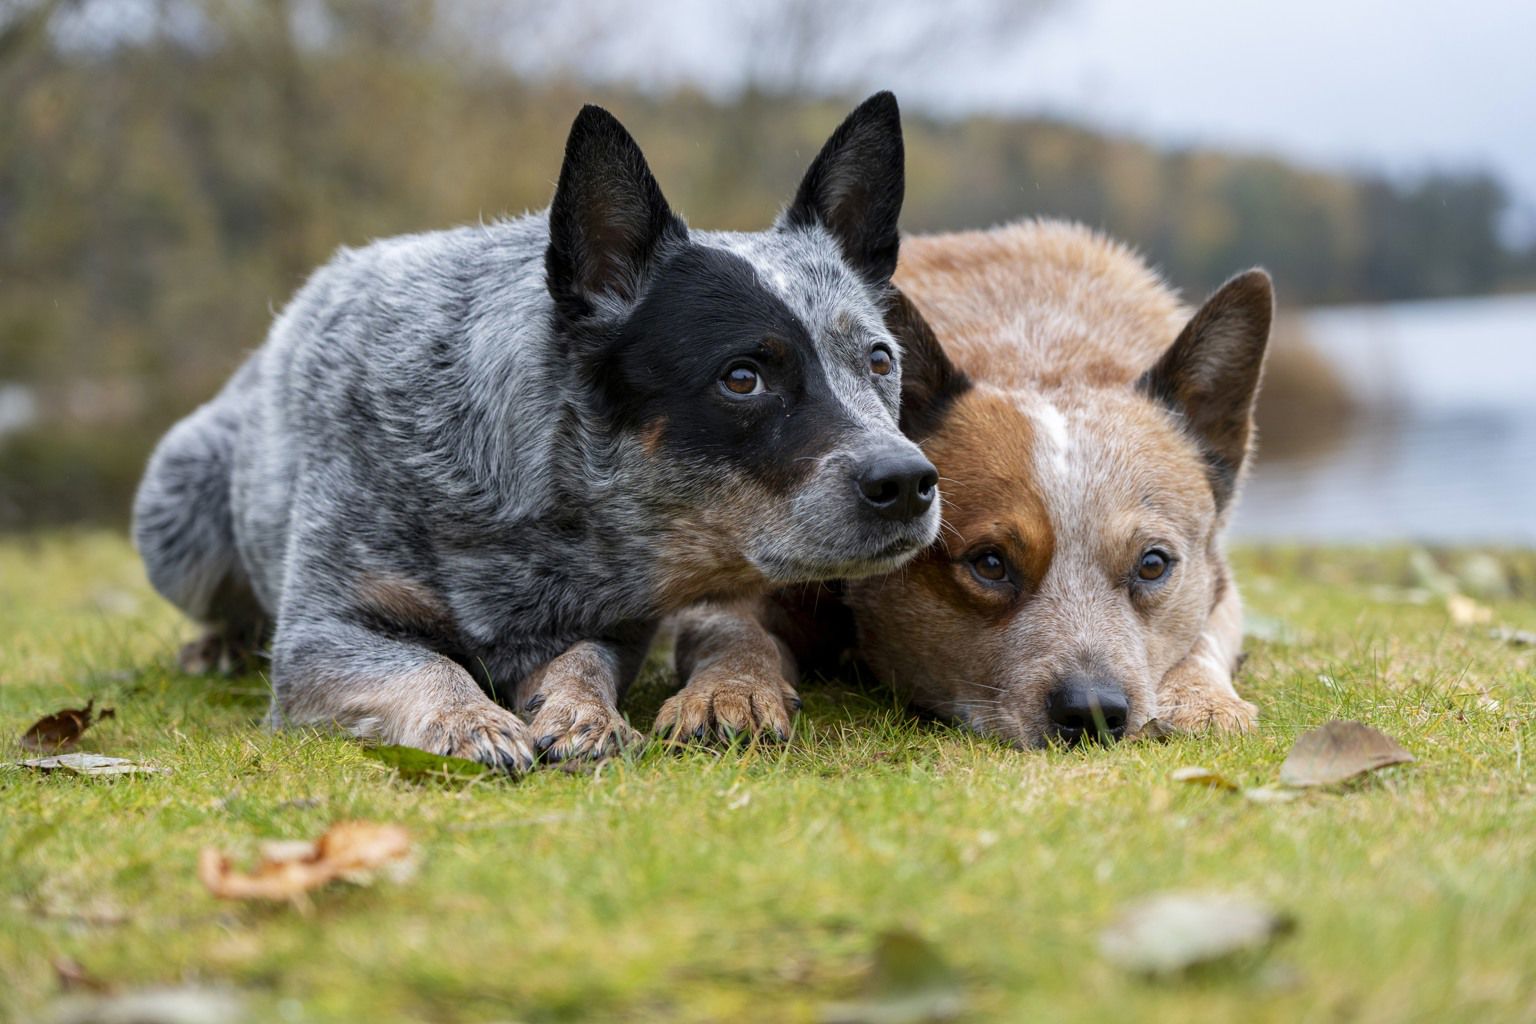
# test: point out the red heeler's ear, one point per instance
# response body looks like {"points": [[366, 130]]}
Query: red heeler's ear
{"points": [[929, 381], [1209, 377], [608, 218], [855, 186]]}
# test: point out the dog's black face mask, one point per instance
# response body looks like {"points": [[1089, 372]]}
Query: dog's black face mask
{"points": [[755, 369]]}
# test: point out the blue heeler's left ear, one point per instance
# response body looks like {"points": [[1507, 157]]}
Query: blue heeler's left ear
{"points": [[608, 219], [855, 187]]}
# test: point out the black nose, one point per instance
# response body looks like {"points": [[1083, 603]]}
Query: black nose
{"points": [[1087, 708], [899, 487]]}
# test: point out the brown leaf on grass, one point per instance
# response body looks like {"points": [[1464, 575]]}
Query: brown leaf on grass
{"points": [[93, 764], [1336, 751], [1203, 777], [60, 731], [349, 850], [1172, 932]]}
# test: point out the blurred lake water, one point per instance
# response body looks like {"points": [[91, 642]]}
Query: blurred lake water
{"points": [[1443, 449]]}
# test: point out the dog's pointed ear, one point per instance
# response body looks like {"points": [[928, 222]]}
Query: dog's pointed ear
{"points": [[1210, 375], [855, 186], [608, 218], [929, 381]]}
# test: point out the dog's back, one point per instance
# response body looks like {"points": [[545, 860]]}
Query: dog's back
{"points": [[1039, 302]]}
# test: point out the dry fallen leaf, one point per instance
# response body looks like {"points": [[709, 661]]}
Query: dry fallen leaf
{"points": [[1174, 931], [1203, 777], [93, 764], [1464, 611], [60, 731], [350, 850], [1336, 751]]}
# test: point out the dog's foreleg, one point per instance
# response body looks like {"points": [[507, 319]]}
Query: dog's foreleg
{"points": [[331, 673], [574, 703], [1197, 693], [737, 677]]}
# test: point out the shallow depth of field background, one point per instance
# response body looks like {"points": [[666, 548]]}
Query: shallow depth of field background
{"points": [[170, 170]]}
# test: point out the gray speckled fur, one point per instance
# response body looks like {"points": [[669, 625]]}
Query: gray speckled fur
{"points": [[411, 416]]}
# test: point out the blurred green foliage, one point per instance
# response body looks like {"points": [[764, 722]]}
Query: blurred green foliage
{"points": [[162, 192]]}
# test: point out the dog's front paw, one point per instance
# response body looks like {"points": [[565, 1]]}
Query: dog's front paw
{"points": [[1218, 712], [570, 723], [483, 732], [723, 705]]}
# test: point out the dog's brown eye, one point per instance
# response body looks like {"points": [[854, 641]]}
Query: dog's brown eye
{"points": [[880, 361], [1153, 566], [989, 566], [742, 380]]}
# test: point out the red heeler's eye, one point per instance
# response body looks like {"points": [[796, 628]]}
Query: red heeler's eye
{"points": [[1153, 566], [742, 379], [880, 361]]}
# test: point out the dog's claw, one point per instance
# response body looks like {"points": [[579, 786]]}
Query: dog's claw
{"points": [[728, 709], [570, 728], [488, 734]]}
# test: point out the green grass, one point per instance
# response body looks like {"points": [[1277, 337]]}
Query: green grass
{"points": [[753, 884]]}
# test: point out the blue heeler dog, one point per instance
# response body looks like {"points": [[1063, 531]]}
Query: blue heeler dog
{"points": [[482, 463]]}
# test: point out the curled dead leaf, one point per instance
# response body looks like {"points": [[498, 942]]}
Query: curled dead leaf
{"points": [[1336, 751], [1171, 932], [350, 850], [60, 731]]}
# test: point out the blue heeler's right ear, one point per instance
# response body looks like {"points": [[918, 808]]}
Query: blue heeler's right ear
{"points": [[608, 219]]}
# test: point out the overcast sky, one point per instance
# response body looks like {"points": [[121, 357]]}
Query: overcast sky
{"points": [[1398, 85]]}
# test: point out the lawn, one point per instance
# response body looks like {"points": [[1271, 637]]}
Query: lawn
{"points": [[754, 884]]}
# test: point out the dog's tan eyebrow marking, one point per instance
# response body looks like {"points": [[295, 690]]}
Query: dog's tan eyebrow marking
{"points": [[773, 347], [650, 437]]}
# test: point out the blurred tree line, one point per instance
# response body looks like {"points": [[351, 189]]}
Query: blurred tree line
{"points": [[171, 170]]}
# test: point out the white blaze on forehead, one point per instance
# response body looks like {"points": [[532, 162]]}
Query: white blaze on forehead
{"points": [[1053, 438]]}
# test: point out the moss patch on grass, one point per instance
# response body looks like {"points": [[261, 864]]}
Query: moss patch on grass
{"points": [[753, 884]]}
